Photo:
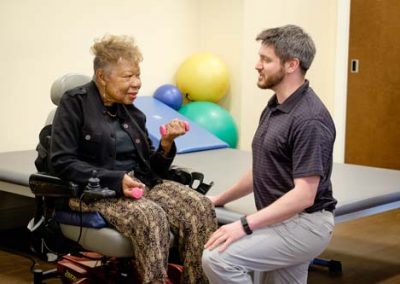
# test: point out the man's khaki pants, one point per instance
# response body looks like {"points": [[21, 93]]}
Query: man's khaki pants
{"points": [[284, 251]]}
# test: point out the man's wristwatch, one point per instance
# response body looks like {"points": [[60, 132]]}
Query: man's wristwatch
{"points": [[245, 225]]}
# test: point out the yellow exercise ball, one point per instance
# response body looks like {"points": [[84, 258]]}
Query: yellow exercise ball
{"points": [[203, 77]]}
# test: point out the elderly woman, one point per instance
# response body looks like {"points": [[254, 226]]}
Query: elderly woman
{"points": [[97, 127]]}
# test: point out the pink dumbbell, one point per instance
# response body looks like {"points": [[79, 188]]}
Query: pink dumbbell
{"points": [[163, 128], [136, 192]]}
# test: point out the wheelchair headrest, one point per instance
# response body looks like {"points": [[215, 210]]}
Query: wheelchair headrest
{"points": [[65, 83]]}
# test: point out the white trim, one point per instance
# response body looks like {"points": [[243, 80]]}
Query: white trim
{"points": [[340, 96]]}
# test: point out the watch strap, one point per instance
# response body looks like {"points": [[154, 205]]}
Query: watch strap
{"points": [[245, 225]]}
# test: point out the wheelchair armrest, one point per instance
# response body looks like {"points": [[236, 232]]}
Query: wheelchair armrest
{"points": [[43, 184], [187, 177]]}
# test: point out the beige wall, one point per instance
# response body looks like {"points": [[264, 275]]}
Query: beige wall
{"points": [[318, 18], [229, 27], [221, 32], [44, 39]]}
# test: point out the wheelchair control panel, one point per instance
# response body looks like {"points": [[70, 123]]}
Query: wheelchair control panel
{"points": [[94, 191]]}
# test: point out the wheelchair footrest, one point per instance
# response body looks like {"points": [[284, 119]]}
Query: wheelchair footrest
{"points": [[91, 267], [73, 268]]}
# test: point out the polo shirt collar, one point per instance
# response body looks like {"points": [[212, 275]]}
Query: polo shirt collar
{"points": [[291, 101]]}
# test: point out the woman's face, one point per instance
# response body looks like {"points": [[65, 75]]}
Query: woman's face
{"points": [[120, 82]]}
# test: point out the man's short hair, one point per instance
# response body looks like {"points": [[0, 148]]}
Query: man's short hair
{"points": [[290, 42]]}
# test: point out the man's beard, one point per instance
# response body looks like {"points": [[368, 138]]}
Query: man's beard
{"points": [[272, 80]]}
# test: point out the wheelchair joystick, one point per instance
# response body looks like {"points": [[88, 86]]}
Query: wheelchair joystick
{"points": [[94, 191], [93, 182], [136, 192], [163, 128]]}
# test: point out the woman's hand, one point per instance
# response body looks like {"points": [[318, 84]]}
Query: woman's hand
{"points": [[174, 129], [128, 184]]}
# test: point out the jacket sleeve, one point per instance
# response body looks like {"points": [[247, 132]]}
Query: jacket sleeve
{"points": [[161, 162], [158, 161], [65, 159]]}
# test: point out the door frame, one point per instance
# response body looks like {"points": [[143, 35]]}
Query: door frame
{"points": [[341, 73]]}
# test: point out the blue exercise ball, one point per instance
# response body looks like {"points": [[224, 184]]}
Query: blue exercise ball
{"points": [[170, 95], [214, 118]]}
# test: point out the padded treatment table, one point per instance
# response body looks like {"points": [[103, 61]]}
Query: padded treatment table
{"points": [[16, 199], [360, 190], [158, 113]]}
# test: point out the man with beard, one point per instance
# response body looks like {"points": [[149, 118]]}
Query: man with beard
{"points": [[290, 176]]}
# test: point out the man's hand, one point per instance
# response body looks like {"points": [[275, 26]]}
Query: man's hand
{"points": [[215, 200], [225, 235]]}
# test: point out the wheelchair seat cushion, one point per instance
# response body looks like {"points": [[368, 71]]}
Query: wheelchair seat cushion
{"points": [[89, 219]]}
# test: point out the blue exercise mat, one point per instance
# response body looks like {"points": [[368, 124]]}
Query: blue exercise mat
{"points": [[158, 113]]}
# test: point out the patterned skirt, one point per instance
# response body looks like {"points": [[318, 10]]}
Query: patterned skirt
{"points": [[147, 222]]}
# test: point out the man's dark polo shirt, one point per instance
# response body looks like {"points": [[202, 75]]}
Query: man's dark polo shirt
{"points": [[294, 139]]}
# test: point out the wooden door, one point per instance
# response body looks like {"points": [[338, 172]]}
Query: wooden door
{"points": [[373, 102]]}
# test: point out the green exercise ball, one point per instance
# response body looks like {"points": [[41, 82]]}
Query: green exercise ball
{"points": [[214, 118]]}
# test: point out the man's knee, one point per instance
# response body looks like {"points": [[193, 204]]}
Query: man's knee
{"points": [[210, 260], [214, 261], [205, 259], [219, 269]]}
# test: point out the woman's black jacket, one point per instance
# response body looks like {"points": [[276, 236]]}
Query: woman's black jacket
{"points": [[82, 140]]}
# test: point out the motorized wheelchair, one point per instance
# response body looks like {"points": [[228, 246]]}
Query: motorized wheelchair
{"points": [[108, 254]]}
